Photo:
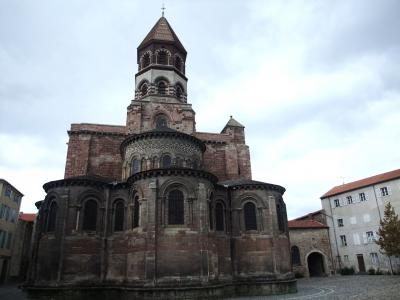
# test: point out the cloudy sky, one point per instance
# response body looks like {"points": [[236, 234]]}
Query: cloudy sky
{"points": [[316, 83]]}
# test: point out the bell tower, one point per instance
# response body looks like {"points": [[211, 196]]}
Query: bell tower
{"points": [[160, 84]]}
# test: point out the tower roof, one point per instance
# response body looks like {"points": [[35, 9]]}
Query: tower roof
{"points": [[233, 123], [162, 32]]}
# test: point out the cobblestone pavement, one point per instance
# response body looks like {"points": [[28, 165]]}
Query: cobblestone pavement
{"points": [[357, 287], [380, 287]]}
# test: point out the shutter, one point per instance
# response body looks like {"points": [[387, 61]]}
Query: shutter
{"points": [[343, 201], [365, 238], [389, 190], [378, 193], [357, 198], [366, 196]]}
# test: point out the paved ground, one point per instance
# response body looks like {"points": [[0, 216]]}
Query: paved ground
{"points": [[338, 287], [380, 287]]}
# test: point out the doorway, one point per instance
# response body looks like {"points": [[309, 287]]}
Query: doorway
{"points": [[315, 262], [3, 272], [361, 264]]}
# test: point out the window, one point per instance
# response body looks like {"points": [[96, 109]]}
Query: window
{"points": [[353, 220], [143, 89], [340, 222], [52, 217], [162, 58], [179, 162], [135, 215], [7, 192], [16, 198], [135, 165], [280, 215], [146, 60], [9, 238], [178, 63], [166, 161], [295, 252], [374, 258], [175, 208], [343, 240], [7, 213], [2, 210], [367, 218], [2, 238], [162, 88], [362, 197], [349, 199], [161, 122], [250, 219], [337, 202], [384, 191], [219, 217], [178, 91], [90, 215], [370, 236], [119, 216]]}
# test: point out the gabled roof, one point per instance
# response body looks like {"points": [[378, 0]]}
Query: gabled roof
{"points": [[27, 217], [162, 32], [305, 224], [232, 122], [311, 214], [362, 183]]}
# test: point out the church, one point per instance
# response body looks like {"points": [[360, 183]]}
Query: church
{"points": [[157, 209]]}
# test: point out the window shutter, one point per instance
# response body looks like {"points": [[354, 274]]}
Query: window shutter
{"points": [[343, 201], [365, 238], [389, 190], [357, 198], [366, 196], [378, 192]]}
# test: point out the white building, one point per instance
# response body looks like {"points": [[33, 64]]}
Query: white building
{"points": [[354, 211]]}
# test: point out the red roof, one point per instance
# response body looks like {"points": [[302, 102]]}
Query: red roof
{"points": [[27, 217], [362, 183], [306, 224]]}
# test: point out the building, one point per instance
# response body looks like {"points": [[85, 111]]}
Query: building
{"points": [[157, 208], [10, 201], [310, 246], [354, 211], [22, 247]]}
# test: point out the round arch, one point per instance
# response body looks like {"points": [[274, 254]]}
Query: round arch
{"points": [[317, 263]]}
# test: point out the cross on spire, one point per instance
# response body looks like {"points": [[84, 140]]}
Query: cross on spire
{"points": [[162, 8]]}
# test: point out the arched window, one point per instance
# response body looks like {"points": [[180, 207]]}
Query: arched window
{"points": [[90, 215], [143, 89], [162, 58], [119, 216], [178, 91], [295, 256], [146, 60], [161, 122], [178, 63], [135, 165], [175, 207], [250, 219], [143, 164], [280, 213], [166, 161], [162, 88], [195, 164], [219, 217], [135, 214], [52, 217]]}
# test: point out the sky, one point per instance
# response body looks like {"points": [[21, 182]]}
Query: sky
{"points": [[316, 83]]}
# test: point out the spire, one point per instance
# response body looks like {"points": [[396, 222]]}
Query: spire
{"points": [[162, 32]]}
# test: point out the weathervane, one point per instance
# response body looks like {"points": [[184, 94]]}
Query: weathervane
{"points": [[162, 8]]}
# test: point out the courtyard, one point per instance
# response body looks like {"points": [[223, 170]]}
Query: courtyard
{"points": [[335, 287]]}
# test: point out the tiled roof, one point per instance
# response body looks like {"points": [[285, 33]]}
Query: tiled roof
{"points": [[162, 31], [306, 224], [27, 217], [362, 183], [307, 216]]}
